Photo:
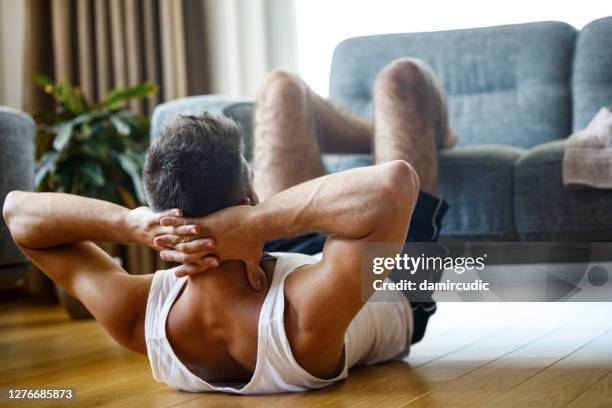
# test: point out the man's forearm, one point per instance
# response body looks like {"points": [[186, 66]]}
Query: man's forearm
{"points": [[359, 203], [350, 204], [42, 220]]}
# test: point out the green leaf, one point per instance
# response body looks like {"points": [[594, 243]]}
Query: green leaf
{"points": [[133, 170], [63, 178], [122, 128], [89, 117], [120, 95], [71, 97], [64, 131], [95, 149], [63, 92], [83, 132], [93, 173], [43, 80], [46, 166]]}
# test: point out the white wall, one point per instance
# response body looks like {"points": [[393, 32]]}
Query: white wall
{"points": [[11, 45]]}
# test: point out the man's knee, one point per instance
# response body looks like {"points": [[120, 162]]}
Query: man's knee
{"points": [[283, 86], [404, 76]]}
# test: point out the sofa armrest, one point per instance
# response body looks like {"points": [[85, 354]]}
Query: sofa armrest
{"points": [[16, 170]]}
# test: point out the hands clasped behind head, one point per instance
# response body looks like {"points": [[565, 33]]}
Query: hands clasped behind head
{"points": [[202, 243]]}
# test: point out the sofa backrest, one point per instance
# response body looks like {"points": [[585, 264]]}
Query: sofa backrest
{"points": [[592, 76], [506, 85]]}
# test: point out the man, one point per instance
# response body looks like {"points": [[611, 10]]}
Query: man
{"points": [[307, 323]]}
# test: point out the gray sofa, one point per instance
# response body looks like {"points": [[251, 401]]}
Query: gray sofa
{"points": [[16, 173], [515, 92]]}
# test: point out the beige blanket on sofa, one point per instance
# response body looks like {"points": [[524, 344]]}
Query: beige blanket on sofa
{"points": [[587, 161]]}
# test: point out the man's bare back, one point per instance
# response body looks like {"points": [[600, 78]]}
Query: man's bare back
{"points": [[213, 325]]}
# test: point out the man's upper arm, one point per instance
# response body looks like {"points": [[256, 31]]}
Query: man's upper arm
{"points": [[335, 283], [323, 299], [116, 299]]}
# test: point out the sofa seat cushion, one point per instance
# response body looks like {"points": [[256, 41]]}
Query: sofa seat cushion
{"points": [[477, 182], [547, 211], [338, 162]]}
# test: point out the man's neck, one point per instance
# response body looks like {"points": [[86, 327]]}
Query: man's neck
{"points": [[213, 324], [223, 294]]}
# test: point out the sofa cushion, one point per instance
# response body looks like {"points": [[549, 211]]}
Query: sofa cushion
{"points": [[16, 171], [547, 211], [166, 113], [507, 85], [477, 182], [592, 77], [338, 162], [242, 113]]}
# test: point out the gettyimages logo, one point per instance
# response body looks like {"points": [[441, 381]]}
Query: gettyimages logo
{"points": [[422, 263], [490, 272]]}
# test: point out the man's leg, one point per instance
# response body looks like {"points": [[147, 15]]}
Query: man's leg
{"points": [[411, 124], [293, 126], [411, 118]]}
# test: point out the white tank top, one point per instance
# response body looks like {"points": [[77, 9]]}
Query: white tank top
{"points": [[381, 331]]}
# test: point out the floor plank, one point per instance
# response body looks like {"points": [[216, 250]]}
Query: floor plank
{"points": [[599, 395], [562, 382], [502, 374]]}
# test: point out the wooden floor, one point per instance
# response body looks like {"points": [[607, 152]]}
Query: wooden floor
{"points": [[475, 355]]}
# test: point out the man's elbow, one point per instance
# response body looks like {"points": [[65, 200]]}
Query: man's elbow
{"points": [[402, 185], [396, 192], [9, 210], [11, 213]]}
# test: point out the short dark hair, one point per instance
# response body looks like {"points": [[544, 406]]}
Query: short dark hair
{"points": [[196, 165]]}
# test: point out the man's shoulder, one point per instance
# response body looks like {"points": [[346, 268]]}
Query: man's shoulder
{"points": [[286, 263]]}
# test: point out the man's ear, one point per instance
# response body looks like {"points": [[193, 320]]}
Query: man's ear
{"points": [[245, 201]]}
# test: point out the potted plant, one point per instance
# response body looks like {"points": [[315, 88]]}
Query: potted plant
{"points": [[91, 149]]}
